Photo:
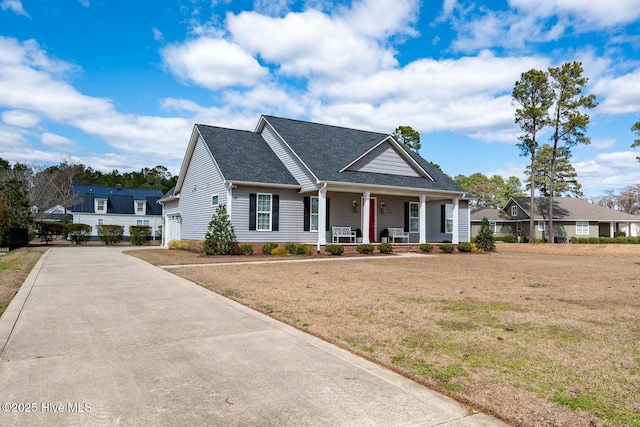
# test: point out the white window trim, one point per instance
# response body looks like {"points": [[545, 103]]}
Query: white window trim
{"points": [[542, 226], [258, 211], [580, 228], [144, 207], [493, 225], [312, 214], [218, 200], [514, 210], [417, 217], [448, 220]]}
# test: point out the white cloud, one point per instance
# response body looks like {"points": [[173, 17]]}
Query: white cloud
{"points": [[213, 63], [56, 141], [15, 6], [85, 3], [600, 14], [619, 95], [612, 171], [157, 34], [10, 138], [21, 119], [272, 7], [32, 83], [602, 144]]}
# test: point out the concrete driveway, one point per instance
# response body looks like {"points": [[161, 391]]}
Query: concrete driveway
{"points": [[95, 337]]}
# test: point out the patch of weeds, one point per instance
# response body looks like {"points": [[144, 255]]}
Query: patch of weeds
{"points": [[559, 333], [479, 306], [306, 325], [537, 285], [399, 357], [351, 342], [231, 293], [423, 369]]}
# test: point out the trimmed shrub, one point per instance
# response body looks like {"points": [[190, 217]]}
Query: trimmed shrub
{"points": [[365, 249], [426, 247], [78, 233], [268, 247], [290, 247], [48, 231], [385, 248], [334, 249], [303, 250], [485, 240], [465, 247], [110, 234], [447, 248], [510, 239], [220, 235], [182, 245], [280, 251], [245, 249], [140, 234]]}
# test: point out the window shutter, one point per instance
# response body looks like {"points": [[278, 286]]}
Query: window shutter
{"points": [[275, 212], [406, 216], [443, 218], [327, 216], [252, 211], [307, 213]]}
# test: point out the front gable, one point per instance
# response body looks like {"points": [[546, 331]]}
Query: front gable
{"points": [[387, 158], [515, 210]]}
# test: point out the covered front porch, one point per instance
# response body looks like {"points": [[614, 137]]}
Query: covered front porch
{"points": [[424, 217]]}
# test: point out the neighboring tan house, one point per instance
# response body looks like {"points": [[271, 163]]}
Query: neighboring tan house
{"points": [[296, 181], [96, 205], [571, 218]]}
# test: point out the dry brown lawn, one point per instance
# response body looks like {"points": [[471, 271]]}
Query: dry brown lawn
{"points": [[14, 268], [544, 335]]}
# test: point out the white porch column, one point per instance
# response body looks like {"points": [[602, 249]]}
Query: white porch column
{"points": [[612, 232], [322, 216], [455, 239], [365, 218], [422, 226]]}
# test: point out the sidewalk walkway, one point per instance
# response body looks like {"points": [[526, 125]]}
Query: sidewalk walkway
{"points": [[95, 337]]}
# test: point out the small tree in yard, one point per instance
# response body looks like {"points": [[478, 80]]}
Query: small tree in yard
{"points": [[219, 239], [484, 240]]}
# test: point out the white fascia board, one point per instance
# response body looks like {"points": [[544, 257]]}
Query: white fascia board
{"points": [[391, 190], [187, 158], [262, 184]]}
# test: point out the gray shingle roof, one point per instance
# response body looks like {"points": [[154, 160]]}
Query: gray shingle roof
{"points": [[245, 156], [569, 208], [565, 209], [119, 200], [326, 149]]}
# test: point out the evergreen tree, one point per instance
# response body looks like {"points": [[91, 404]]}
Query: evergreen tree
{"points": [[636, 142], [220, 236], [408, 136], [484, 239], [566, 183]]}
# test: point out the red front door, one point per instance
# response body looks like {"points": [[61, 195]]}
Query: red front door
{"points": [[372, 220]]}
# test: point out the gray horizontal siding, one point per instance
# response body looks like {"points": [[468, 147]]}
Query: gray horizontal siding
{"points": [[202, 180], [385, 159], [291, 213]]}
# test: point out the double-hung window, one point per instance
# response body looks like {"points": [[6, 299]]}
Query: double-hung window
{"points": [[214, 200], [448, 218], [140, 207], [414, 217], [313, 212], [541, 226], [493, 226], [101, 205], [582, 228], [264, 212], [514, 210]]}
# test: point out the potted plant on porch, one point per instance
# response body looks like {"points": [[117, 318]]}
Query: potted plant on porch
{"points": [[358, 235], [384, 236]]}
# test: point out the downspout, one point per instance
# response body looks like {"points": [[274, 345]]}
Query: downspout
{"points": [[322, 214], [230, 188]]}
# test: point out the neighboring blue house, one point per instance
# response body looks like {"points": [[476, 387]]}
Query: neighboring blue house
{"points": [[296, 181], [96, 205]]}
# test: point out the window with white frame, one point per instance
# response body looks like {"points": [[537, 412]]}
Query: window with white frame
{"points": [[214, 200], [314, 210], [264, 212], [139, 222], [449, 218], [414, 217], [101, 205], [100, 221], [541, 226], [582, 228], [514, 210], [493, 226], [139, 207]]}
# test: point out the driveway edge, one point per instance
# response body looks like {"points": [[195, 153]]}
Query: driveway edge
{"points": [[10, 316]]}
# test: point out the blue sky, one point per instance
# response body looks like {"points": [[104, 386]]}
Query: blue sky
{"points": [[119, 84]]}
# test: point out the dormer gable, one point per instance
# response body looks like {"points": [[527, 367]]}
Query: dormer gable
{"points": [[140, 207], [387, 157]]}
